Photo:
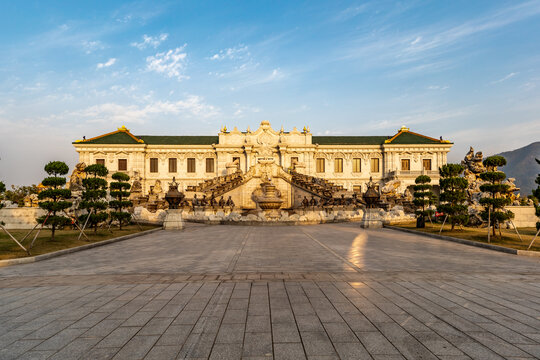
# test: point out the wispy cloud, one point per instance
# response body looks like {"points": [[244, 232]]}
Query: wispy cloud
{"points": [[150, 41], [91, 46], [241, 110], [193, 106], [438, 87], [350, 12], [384, 48], [109, 62], [237, 52], [171, 63], [509, 76]]}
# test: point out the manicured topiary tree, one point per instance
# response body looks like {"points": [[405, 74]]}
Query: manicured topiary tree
{"points": [[2, 191], [93, 196], [54, 198], [453, 195], [120, 191], [498, 192], [423, 197], [536, 194]]}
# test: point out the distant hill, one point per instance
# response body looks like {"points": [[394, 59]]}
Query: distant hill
{"points": [[522, 166]]}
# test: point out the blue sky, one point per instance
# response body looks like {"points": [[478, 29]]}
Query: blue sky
{"points": [[466, 70]]}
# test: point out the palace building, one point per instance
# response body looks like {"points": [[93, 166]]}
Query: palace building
{"points": [[347, 162]]}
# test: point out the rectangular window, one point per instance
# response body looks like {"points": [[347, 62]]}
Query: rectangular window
{"points": [[173, 165], [100, 162], [357, 188], [191, 165], [153, 165], [320, 165], [338, 165], [237, 161], [357, 165], [405, 165], [210, 165], [294, 160], [426, 163], [122, 164], [375, 165]]}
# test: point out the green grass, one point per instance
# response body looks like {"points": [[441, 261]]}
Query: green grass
{"points": [[64, 239], [509, 237]]}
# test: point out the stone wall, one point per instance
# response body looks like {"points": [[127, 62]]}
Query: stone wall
{"points": [[20, 218], [524, 216]]}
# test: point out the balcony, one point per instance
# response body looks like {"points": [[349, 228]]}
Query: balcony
{"points": [[411, 174]]}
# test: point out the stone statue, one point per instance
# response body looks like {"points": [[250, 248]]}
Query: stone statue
{"points": [[230, 202], [77, 176], [136, 187], [305, 202], [313, 201], [195, 201], [157, 187], [222, 202]]}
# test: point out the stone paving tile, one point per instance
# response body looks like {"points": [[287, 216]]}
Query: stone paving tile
{"points": [[315, 292]]}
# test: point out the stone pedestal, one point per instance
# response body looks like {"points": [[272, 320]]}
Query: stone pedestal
{"points": [[173, 220], [371, 219]]}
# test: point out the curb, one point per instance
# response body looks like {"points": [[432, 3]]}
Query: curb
{"points": [[469, 242], [31, 259]]}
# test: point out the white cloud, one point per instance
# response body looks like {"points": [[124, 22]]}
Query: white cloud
{"points": [[438, 87], [509, 76], [110, 62], [416, 41], [193, 106], [91, 46], [170, 63], [241, 110], [237, 52], [150, 41]]}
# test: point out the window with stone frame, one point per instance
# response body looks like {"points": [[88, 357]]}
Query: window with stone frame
{"points": [[100, 162], [153, 165], [357, 165], [426, 164], [210, 168], [173, 165], [405, 164], [338, 165], [191, 165], [357, 188], [320, 165], [375, 168], [294, 160], [122, 164]]}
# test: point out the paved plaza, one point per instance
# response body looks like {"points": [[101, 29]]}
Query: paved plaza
{"points": [[331, 291]]}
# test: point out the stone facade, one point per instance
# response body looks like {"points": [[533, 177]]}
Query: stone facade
{"points": [[348, 161]]}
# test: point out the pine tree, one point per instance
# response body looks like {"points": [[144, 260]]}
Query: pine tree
{"points": [[120, 191], [453, 195], [536, 194], [423, 196], [93, 196], [2, 191], [498, 199], [55, 196]]}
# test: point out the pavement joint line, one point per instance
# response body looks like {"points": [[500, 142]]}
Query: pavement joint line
{"points": [[356, 268], [234, 260], [31, 259], [498, 248]]}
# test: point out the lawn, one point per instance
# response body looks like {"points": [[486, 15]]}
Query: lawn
{"points": [[509, 237], [63, 239]]}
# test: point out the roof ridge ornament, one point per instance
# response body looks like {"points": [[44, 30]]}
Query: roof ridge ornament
{"points": [[404, 129], [123, 128]]}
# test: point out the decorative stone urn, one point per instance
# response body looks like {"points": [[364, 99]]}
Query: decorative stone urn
{"points": [[269, 200], [173, 220], [371, 218]]}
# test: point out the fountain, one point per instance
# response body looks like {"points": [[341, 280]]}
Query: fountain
{"points": [[268, 197]]}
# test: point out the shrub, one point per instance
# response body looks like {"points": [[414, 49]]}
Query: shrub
{"points": [[423, 197], [93, 196], [453, 195], [120, 191]]}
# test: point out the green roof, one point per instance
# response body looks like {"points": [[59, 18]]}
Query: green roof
{"points": [[349, 140], [179, 140], [119, 137], [412, 138]]}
